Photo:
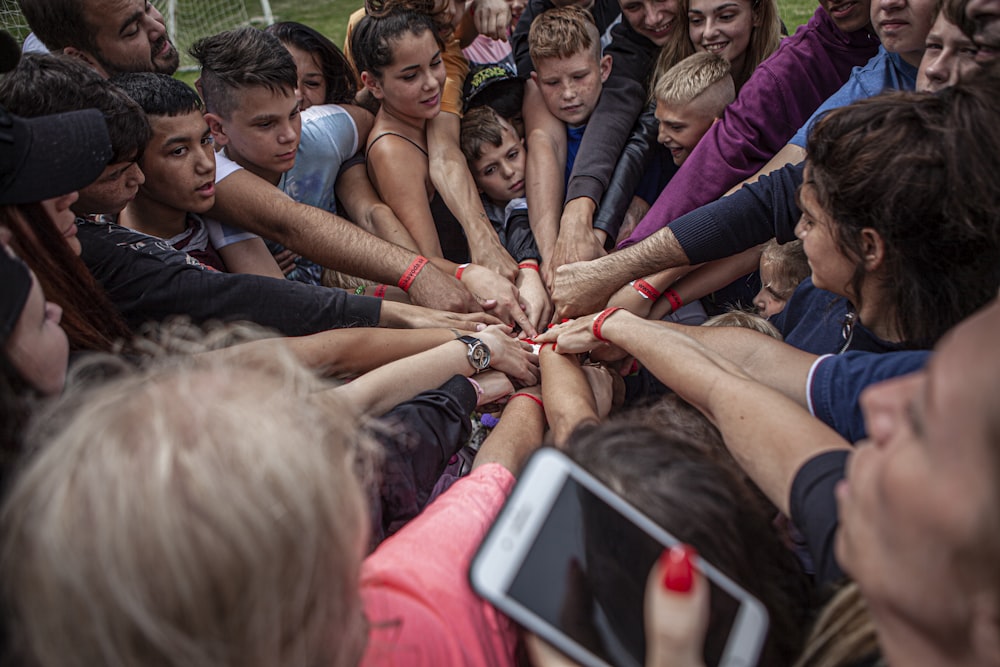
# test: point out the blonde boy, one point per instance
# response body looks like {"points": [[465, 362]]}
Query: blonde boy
{"points": [[570, 71], [690, 97]]}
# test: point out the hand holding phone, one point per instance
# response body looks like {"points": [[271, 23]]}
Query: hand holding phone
{"points": [[569, 560]]}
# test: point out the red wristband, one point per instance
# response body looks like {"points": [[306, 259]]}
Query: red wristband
{"points": [[674, 299], [379, 292], [460, 270], [645, 289], [534, 398], [412, 272], [599, 320], [528, 265]]}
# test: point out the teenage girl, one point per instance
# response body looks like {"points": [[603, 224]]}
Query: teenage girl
{"points": [[399, 56]]}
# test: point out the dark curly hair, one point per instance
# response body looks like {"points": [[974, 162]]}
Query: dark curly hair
{"points": [[919, 170]]}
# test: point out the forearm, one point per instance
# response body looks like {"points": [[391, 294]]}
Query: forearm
{"points": [[360, 350], [451, 177], [769, 435], [705, 279], [378, 390], [568, 398], [518, 434], [250, 256], [632, 164], [544, 172], [363, 205], [246, 201]]}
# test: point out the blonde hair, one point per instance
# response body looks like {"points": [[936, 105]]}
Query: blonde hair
{"points": [[843, 633], [200, 511], [703, 76], [765, 37], [790, 266], [563, 32], [743, 320]]}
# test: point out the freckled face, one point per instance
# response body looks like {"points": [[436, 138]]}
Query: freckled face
{"points": [[571, 87]]}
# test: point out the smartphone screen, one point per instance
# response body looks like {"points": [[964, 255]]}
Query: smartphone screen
{"points": [[580, 575]]}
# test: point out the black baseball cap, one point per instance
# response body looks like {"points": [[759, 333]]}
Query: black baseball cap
{"points": [[495, 85]]}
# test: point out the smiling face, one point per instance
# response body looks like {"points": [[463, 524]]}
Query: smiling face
{"points": [[848, 15], [948, 56], [919, 502], [179, 163], [311, 84], [37, 347], [722, 27], [902, 26], [129, 36], [653, 19], [571, 87], [499, 171], [681, 127], [410, 86], [262, 132]]}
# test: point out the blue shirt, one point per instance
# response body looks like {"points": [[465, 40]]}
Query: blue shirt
{"points": [[836, 381], [574, 135], [885, 71]]}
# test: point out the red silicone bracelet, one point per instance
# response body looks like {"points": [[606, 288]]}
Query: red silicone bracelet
{"points": [[599, 320], [534, 398], [645, 289], [412, 272]]}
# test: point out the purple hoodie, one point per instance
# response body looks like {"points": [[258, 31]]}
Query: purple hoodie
{"points": [[779, 98]]}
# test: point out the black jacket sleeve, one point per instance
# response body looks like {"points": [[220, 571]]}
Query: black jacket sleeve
{"points": [[146, 287], [518, 239], [633, 163], [622, 100], [418, 438], [814, 510], [750, 216]]}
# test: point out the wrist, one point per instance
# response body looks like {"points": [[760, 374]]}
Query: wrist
{"points": [[411, 273], [600, 319]]}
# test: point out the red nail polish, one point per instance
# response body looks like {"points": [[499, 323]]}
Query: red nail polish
{"points": [[529, 341], [551, 325], [564, 320], [678, 570]]}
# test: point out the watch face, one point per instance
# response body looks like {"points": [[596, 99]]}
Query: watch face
{"points": [[479, 355]]}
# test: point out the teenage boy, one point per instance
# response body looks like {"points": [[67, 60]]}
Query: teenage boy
{"points": [[145, 278], [240, 198], [569, 69], [690, 97], [248, 82], [179, 165]]}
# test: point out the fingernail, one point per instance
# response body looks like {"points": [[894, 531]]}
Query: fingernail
{"points": [[551, 325], [678, 571], [564, 320], [480, 326]]}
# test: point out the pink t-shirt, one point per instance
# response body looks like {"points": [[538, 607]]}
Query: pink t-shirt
{"points": [[415, 587]]}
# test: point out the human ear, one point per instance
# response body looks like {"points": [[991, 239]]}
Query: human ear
{"points": [[371, 82], [605, 67], [218, 130], [872, 249], [87, 60]]}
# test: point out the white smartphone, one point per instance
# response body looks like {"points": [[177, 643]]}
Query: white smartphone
{"points": [[568, 559]]}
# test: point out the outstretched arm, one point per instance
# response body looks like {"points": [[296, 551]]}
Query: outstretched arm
{"points": [[769, 435], [451, 177], [248, 202]]}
